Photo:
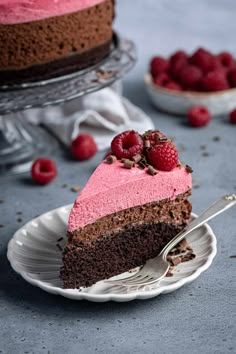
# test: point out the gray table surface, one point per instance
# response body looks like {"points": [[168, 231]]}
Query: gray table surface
{"points": [[198, 318]]}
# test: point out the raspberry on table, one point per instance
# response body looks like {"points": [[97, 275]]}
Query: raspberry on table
{"points": [[43, 171], [190, 76], [158, 65], [215, 81], [203, 59], [163, 156], [232, 77], [232, 117], [127, 144], [198, 116], [83, 147]]}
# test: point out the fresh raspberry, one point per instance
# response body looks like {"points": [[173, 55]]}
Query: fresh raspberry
{"points": [[190, 76], [232, 77], [43, 171], [83, 147], [179, 55], [226, 59], [198, 116], [127, 144], [176, 67], [203, 59], [158, 65], [215, 81], [172, 85], [232, 117], [177, 61], [163, 156], [162, 79]]}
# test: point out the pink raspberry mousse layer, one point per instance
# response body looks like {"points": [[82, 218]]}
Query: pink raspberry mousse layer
{"points": [[20, 11], [112, 188]]}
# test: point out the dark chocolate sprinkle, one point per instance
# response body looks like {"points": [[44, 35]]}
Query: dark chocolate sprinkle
{"points": [[151, 170], [196, 186], [233, 256], [59, 247], [188, 169], [1, 201], [203, 147], [111, 159], [75, 189], [1, 225], [64, 185], [19, 220], [60, 239], [205, 154], [216, 138]]}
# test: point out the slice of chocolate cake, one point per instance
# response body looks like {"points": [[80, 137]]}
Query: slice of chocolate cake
{"points": [[128, 210]]}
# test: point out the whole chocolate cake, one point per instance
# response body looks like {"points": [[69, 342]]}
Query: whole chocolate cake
{"points": [[40, 39], [132, 205]]}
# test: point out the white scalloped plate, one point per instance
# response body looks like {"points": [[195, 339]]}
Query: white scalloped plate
{"points": [[34, 253]]}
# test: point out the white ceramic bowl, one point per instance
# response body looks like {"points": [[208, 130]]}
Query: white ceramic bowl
{"points": [[221, 102]]}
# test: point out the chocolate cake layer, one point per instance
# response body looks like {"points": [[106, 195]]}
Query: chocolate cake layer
{"points": [[55, 68], [117, 252], [44, 41], [122, 241]]}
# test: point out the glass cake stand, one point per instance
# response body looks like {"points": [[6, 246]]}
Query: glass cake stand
{"points": [[21, 142]]}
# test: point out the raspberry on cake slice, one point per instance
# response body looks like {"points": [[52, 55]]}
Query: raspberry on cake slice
{"points": [[132, 205]]}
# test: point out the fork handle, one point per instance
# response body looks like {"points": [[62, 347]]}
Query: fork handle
{"points": [[218, 207]]}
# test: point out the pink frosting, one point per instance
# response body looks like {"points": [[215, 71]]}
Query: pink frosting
{"points": [[19, 11], [112, 188]]}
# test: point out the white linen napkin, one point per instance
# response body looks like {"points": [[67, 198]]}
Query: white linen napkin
{"points": [[103, 114]]}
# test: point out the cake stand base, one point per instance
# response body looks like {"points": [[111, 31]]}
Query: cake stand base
{"points": [[21, 143]]}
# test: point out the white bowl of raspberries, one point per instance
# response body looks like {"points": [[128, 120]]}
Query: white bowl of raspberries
{"points": [[182, 81]]}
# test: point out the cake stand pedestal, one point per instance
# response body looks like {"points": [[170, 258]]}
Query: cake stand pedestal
{"points": [[21, 142]]}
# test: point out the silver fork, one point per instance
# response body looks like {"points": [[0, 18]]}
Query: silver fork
{"points": [[155, 269]]}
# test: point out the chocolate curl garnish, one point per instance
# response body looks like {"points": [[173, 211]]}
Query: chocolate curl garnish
{"points": [[137, 158], [147, 144], [111, 159], [162, 139], [151, 170], [128, 164], [188, 169]]}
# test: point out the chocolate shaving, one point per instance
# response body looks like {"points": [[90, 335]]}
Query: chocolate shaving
{"points": [[137, 158], [188, 169], [103, 74], [129, 164], [75, 189], [176, 260], [59, 247], [147, 144], [205, 154], [110, 159], [151, 170]]}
